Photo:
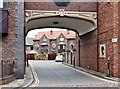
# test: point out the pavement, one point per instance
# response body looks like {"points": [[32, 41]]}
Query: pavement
{"points": [[26, 82], [91, 72], [34, 78]]}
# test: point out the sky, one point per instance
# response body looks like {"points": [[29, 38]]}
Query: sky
{"points": [[1, 3], [32, 33]]}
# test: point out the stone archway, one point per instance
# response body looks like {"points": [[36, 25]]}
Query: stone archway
{"points": [[81, 22], [108, 33]]}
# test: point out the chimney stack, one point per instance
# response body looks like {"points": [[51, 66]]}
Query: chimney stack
{"points": [[51, 32]]}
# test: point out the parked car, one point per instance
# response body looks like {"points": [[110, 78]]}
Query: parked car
{"points": [[59, 58]]}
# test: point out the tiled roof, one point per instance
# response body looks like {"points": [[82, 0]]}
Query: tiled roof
{"points": [[44, 44], [55, 34], [62, 43]]}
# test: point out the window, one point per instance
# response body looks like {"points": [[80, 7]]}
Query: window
{"points": [[44, 47], [31, 48], [71, 45], [3, 4], [44, 39], [53, 46], [4, 22], [37, 46], [61, 47], [62, 38]]}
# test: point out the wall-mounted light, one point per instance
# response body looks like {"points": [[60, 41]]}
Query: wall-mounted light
{"points": [[55, 23]]}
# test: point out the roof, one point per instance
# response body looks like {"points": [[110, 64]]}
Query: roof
{"points": [[29, 41], [55, 34], [44, 44], [62, 43]]}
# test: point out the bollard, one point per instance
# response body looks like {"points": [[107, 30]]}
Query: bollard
{"points": [[108, 63], [74, 61], [71, 58]]}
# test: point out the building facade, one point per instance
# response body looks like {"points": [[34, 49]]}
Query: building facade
{"points": [[96, 46], [54, 41]]}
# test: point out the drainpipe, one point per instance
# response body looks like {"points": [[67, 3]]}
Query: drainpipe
{"points": [[97, 42]]}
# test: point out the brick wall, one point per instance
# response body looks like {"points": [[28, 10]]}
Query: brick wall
{"points": [[77, 52], [12, 64], [74, 6], [119, 36], [107, 30], [88, 50], [9, 47]]}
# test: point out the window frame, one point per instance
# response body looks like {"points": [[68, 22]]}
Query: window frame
{"points": [[44, 39], [62, 37]]}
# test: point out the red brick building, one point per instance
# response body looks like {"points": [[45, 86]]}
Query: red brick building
{"points": [[54, 41], [99, 35]]}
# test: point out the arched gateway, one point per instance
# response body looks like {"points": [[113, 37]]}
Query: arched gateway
{"points": [[96, 24]]}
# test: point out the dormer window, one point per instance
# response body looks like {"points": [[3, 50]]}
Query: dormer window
{"points": [[62, 38], [44, 39]]}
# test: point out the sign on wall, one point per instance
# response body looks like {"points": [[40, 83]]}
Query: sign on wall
{"points": [[1, 3], [102, 50]]}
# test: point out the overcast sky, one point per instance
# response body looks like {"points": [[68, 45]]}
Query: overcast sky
{"points": [[32, 33], [1, 3]]}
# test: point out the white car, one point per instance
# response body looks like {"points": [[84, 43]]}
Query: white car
{"points": [[59, 58]]}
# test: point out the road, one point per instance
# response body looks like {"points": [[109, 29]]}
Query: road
{"points": [[56, 74]]}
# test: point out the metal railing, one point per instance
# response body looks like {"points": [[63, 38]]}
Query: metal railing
{"points": [[8, 67]]}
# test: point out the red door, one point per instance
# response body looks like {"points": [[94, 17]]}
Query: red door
{"points": [[30, 57], [51, 56]]}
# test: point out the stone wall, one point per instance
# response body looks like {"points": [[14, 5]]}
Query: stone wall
{"points": [[88, 50], [20, 35]]}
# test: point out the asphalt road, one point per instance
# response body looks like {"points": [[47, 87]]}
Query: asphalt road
{"points": [[56, 74]]}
